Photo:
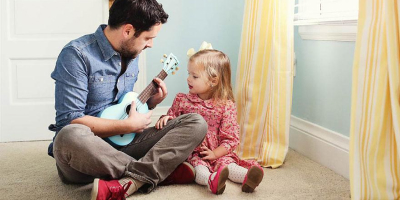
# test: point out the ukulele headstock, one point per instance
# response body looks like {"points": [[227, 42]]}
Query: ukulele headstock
{"points": [[170, 63]]}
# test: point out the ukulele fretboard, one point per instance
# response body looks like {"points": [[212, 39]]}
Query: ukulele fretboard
{"points": [[151, 88]]}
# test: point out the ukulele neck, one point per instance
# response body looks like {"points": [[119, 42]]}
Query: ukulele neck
{"points": [[151, 89]]}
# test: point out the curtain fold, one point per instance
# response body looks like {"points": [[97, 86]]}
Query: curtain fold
{"points": [[375, 120], [264, 81]]}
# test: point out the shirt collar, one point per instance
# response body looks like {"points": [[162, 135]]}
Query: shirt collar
{"points": [[196, 99], [105, 46]]}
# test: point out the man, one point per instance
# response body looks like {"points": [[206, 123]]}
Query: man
{"points": [[92, 73]]}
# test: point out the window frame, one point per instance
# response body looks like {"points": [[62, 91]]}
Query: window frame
{"points": [[341, 29]]}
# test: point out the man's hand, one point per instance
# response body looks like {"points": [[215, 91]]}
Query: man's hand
{"points": [[207, 154], [160, 95], [137, 121], [163, 121]]}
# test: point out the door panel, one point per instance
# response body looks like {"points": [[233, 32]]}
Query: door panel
{"points": [[32, 34]]}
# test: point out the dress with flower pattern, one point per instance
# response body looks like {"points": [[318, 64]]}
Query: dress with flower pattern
{"points": [[223, 129]]}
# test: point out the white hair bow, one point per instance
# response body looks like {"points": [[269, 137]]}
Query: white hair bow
{"points": [[204, 45]]}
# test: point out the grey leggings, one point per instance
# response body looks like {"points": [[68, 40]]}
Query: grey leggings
{"points": [[81, 156]]}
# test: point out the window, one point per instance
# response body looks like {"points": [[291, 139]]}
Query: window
{"points": [[327, 19]]}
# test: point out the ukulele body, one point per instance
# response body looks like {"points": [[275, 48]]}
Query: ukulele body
{"points": [[120, 111]]}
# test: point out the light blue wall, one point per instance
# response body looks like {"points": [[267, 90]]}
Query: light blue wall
{"points": [[322, 86], [190, 23]]}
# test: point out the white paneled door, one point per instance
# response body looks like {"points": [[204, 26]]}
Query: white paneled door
{"points": [[32, 34]]}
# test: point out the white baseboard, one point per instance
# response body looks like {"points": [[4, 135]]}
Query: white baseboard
{"points": [[321, 145]]}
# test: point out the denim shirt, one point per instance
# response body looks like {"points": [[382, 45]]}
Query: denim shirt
{"points": [[88, 80]]}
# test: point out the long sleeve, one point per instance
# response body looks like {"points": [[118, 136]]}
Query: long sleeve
{"points": [[229, 128], [174, 111], [71, 86]]}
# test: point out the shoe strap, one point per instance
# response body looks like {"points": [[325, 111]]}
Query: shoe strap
{"points": [[210, 185]]}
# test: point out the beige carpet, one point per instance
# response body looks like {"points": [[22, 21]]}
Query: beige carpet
{"points": [[26, 172]]}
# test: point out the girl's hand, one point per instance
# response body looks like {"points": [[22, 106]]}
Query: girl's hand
{"points": [[162, 122], [207, 154]]}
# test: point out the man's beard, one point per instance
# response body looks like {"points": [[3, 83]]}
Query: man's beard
{"points": [[125, 53], [125, 50]]}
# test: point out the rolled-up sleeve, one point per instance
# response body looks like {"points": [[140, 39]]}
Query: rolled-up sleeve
{"points": [[71, 81]]}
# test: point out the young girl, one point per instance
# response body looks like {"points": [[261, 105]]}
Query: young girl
{"points": [[210, 95]]}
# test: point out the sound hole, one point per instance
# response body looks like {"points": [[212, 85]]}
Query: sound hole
{"points": [[128, 108]]}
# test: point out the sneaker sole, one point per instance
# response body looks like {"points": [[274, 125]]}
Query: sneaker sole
{"points": [[222, 179], [95, 189], [254, 178]]}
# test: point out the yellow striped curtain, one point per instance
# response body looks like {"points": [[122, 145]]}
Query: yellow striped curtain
{"points": [[265, 80], [375, 120]]}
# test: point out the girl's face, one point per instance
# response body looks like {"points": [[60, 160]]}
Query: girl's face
{"points": [[198, 82]]}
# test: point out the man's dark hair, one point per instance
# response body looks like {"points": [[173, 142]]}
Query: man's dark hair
{"points": [[141, 14]]}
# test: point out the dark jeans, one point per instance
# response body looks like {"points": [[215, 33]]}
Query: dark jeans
{"points": [[81, 156]]}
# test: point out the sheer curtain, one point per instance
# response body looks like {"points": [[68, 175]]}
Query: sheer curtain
{"points": [[265, 80]]}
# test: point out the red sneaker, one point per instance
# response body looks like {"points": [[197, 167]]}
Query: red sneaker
{"points": [[217, 183], [253, 178], [109, 190], [183, 174]]}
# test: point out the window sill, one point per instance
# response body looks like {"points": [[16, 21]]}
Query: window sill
{"points": [[345, 32]]}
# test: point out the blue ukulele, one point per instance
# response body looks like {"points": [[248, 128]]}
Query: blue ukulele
{"points": [[121, 110]]}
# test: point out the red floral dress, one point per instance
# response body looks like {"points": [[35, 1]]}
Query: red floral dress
{"points": [[223, 129]]}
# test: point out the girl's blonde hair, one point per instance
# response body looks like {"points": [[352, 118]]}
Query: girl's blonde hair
{"points": [[216, 65]]}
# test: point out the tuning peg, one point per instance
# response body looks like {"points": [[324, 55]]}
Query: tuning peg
{"points": [[173, 73], [165, 55], [177, 68], [162, 61]]}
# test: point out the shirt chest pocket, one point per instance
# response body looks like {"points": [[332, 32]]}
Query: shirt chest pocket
{"points": [[101, 88], [130, 80]]}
